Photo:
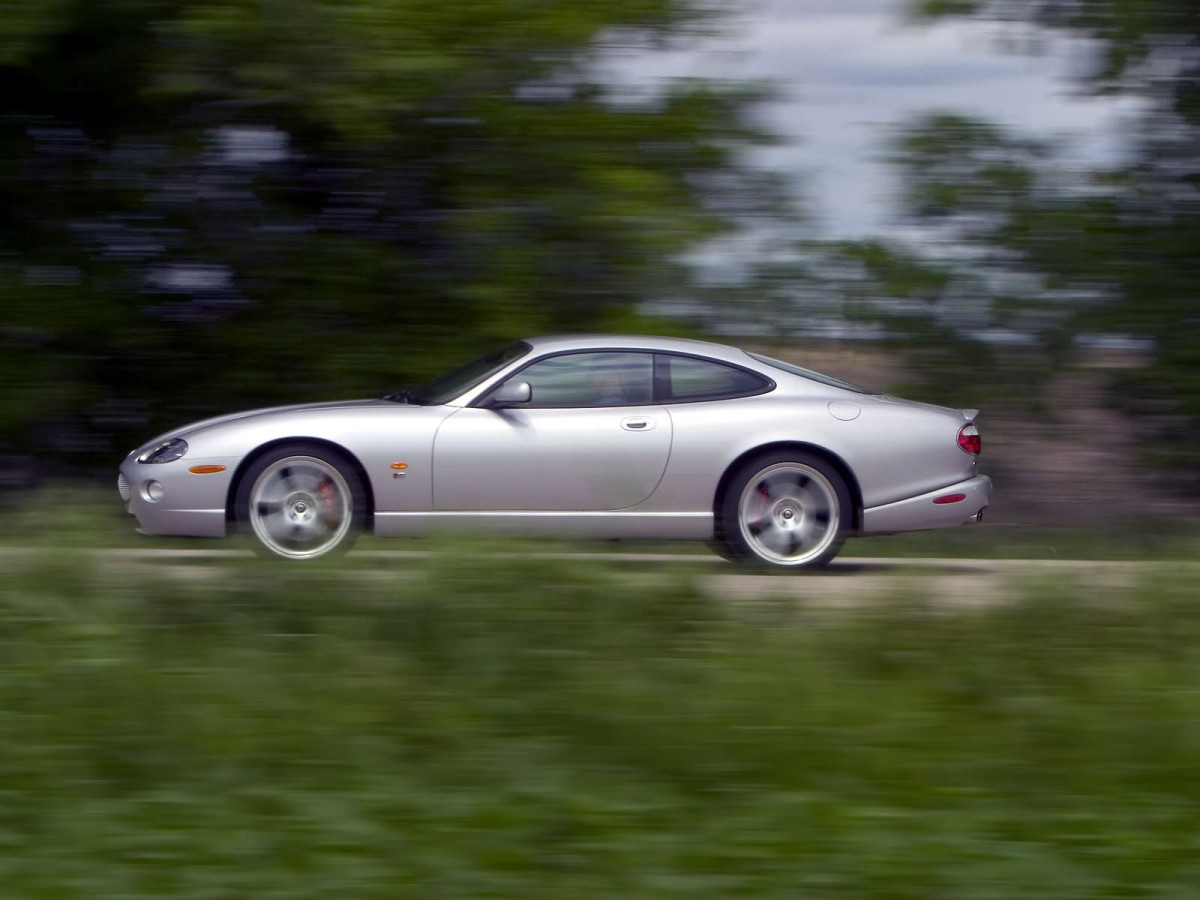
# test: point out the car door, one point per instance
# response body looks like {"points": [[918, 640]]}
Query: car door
{"points": [[589, 438]]}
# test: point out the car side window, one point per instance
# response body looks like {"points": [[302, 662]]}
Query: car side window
{"points": [[610, 378], [684, 378]]}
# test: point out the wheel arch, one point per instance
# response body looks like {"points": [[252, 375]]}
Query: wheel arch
{"points": [[239, 473], [843, 469]]}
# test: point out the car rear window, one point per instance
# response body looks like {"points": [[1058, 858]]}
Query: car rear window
{"points": [[810, 374], [683, 378]]}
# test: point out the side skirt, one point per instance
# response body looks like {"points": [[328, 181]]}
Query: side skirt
{"points": [[697, 526]]}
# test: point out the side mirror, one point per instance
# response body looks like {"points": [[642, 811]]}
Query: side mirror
{"points": [[510, 394]]}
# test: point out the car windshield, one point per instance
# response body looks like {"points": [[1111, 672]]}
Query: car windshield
{"points": [[810, 374], [446, 387]]}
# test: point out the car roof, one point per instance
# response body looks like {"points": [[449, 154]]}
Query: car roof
{"points": [[566, 342]]}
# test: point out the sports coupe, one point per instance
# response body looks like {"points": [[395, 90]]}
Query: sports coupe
{"points": [[601, 437]]}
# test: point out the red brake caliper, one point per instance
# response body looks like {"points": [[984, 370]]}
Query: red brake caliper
{"points": [[764, 503], [328, 503]]}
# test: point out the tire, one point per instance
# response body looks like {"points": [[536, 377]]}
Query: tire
{"points": [[300, 501], [785, 510], [719, 546]]}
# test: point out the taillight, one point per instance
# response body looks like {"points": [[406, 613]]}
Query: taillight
{"points": [[969, 439]]}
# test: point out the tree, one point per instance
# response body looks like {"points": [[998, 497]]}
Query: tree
{"points": [[211, 203], [1125, 240]]}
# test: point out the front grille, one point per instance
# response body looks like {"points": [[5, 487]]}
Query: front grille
{"points": [[123, 486]]}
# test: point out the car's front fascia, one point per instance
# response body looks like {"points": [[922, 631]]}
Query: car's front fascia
{"points": [[185, 496]]}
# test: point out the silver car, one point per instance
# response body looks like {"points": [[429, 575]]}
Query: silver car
{"points": [[586, 436]]}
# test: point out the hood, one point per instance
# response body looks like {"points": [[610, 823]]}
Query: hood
{"points": [[184, 430]]}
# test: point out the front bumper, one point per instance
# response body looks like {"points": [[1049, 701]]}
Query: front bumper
{"points": [[191, 505], [920, 513]]}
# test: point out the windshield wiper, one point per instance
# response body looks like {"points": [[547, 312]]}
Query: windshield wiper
{"points": [[401, 396]]}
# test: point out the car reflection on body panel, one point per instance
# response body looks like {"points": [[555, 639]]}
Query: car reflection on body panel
{"points": [[586, 436]]}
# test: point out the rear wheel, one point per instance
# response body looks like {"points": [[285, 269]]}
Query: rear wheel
{"points": [[786, 509], [301, 501]]}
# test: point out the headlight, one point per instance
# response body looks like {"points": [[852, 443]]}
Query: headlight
{"points": [[167, 451]]}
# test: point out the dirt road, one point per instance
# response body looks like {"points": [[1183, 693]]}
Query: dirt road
{"points": [[846, 582]]}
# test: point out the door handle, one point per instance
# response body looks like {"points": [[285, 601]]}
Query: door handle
{"points": [[637, 423]]}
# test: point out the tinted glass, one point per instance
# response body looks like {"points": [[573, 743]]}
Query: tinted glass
{"points": [[591, 379], [685, 378]]}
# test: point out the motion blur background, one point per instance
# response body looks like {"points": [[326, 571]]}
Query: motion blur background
{"points": [[207, 206]]}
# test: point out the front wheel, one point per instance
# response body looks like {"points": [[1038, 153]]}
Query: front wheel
{"points": [[786, 509], [301, 501]]}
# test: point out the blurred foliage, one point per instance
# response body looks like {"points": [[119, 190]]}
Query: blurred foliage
{"points": [[988, 273], [473, 725], [1105, 251], [208, 205], [1014, 255], [930, 312]]}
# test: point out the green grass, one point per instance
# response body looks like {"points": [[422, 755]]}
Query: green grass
{"points": [[467, 726]]}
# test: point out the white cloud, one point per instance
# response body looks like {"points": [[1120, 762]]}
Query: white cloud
{"points": [[849, 71]]}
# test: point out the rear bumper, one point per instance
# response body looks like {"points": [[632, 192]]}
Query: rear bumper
{"points": [[920, 512]]}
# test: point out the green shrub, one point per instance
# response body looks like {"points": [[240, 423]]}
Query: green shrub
{"points": [[470, 725]]}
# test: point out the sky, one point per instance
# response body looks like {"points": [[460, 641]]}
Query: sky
{"points": [[848, 70]]}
